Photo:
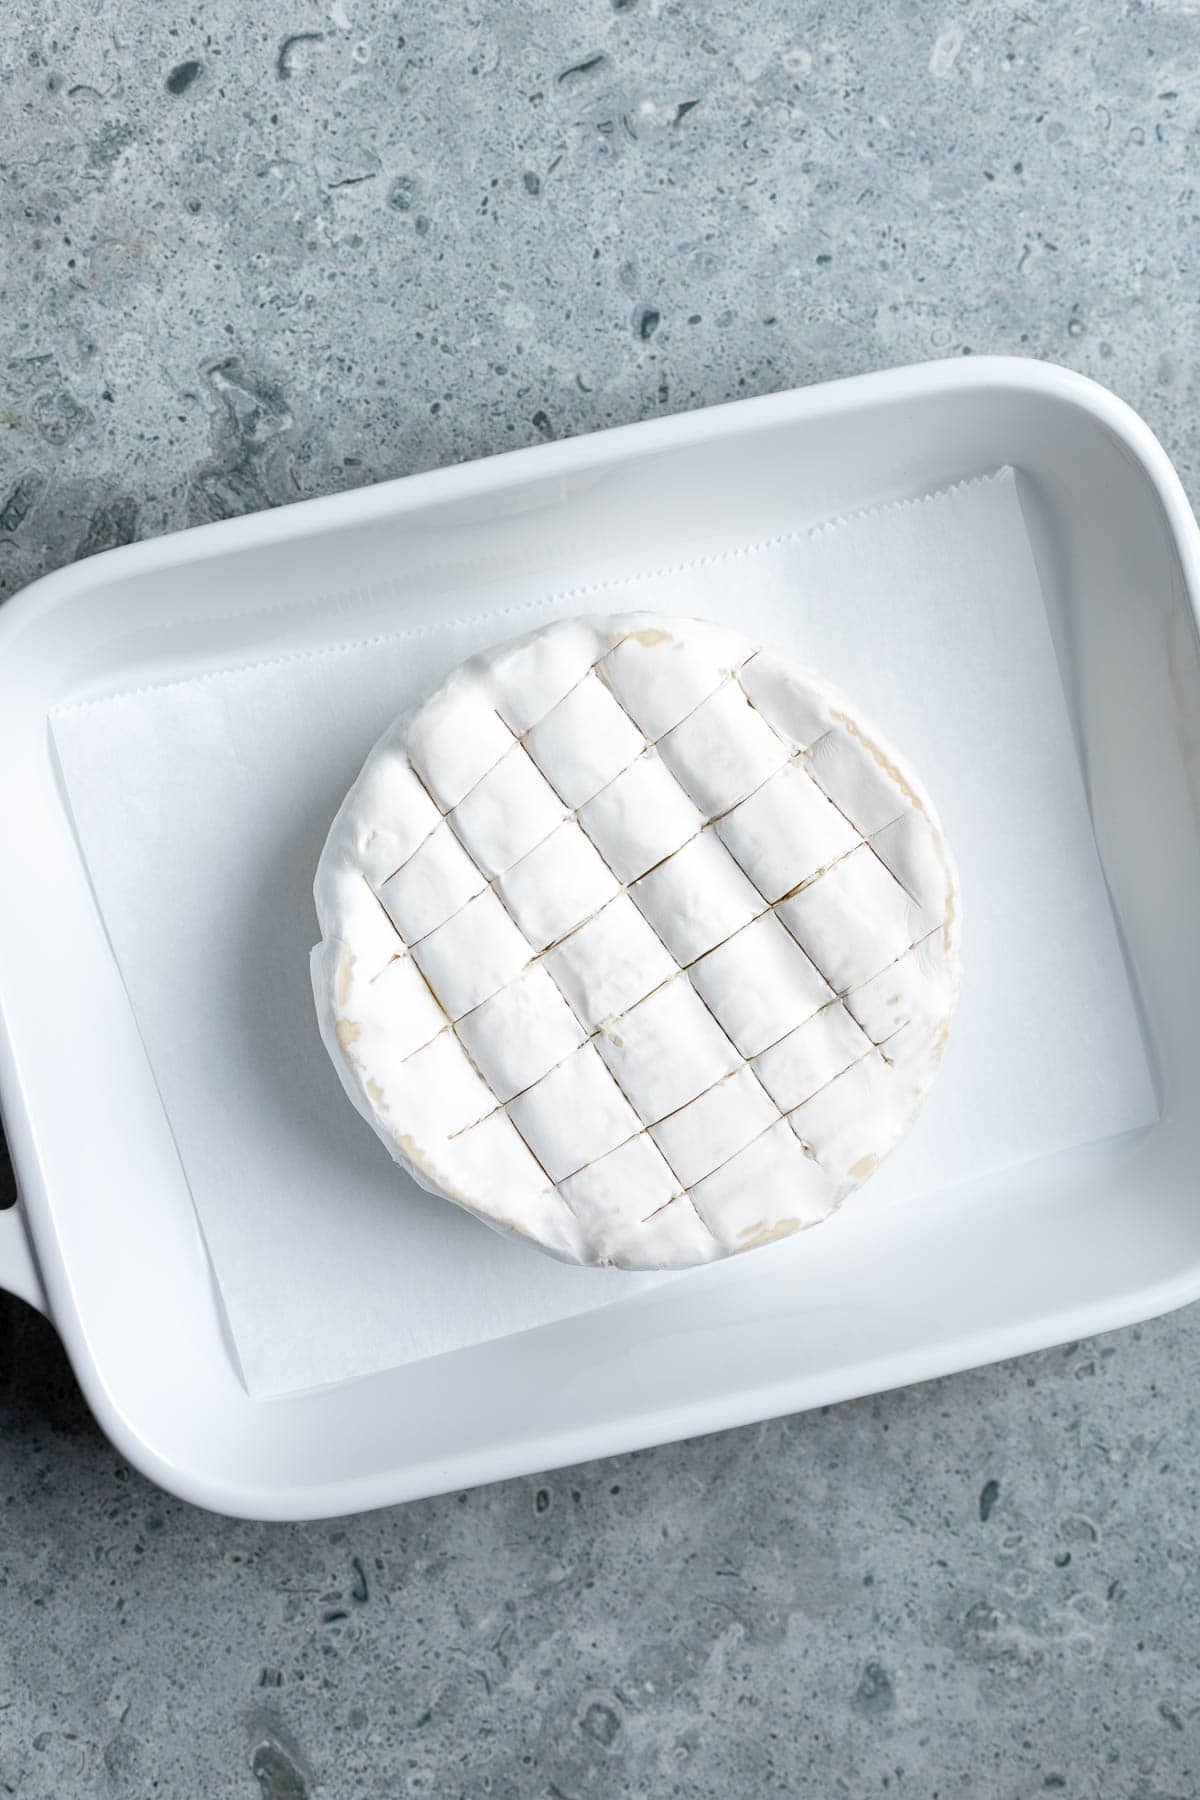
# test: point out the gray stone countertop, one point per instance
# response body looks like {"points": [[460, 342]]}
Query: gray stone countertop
{"points": [[249, 254]]}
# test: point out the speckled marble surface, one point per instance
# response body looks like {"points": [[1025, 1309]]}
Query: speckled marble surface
{"points": [[249, 254]]}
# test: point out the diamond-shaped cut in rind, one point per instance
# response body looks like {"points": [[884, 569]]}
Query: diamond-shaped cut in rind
{"points": [[854, 920], [519, 1035], [640, 818], [584, 742], [557, 886], [436, 881], [455, 738], [510, 810], [473, 955], [620, 1189], [573, 1116], [801, 1063], [785, 832], [723, 751], [667, 1050], [709, 1130], [759, 983], [610, 963], [697, 898]]}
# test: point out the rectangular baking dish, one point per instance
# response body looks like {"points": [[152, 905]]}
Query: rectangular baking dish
{"points": [[104, 1238]]}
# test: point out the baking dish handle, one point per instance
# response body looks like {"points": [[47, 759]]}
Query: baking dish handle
{"points": [[18, 1271]]}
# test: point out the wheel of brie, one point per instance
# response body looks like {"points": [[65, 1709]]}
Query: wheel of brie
{"points": [[638, 942]]}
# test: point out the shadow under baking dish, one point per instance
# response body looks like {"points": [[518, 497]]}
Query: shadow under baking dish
{"points": [[1104, 1231]]}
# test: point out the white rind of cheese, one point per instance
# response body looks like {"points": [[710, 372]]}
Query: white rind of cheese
{"points": [[638, 942]]}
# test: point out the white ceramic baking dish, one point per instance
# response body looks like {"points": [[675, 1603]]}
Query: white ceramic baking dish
{"points": [[104, 1238]]}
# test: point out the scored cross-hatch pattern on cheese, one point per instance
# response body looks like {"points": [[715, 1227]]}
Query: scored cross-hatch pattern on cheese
{"points": [[637, 942]]}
